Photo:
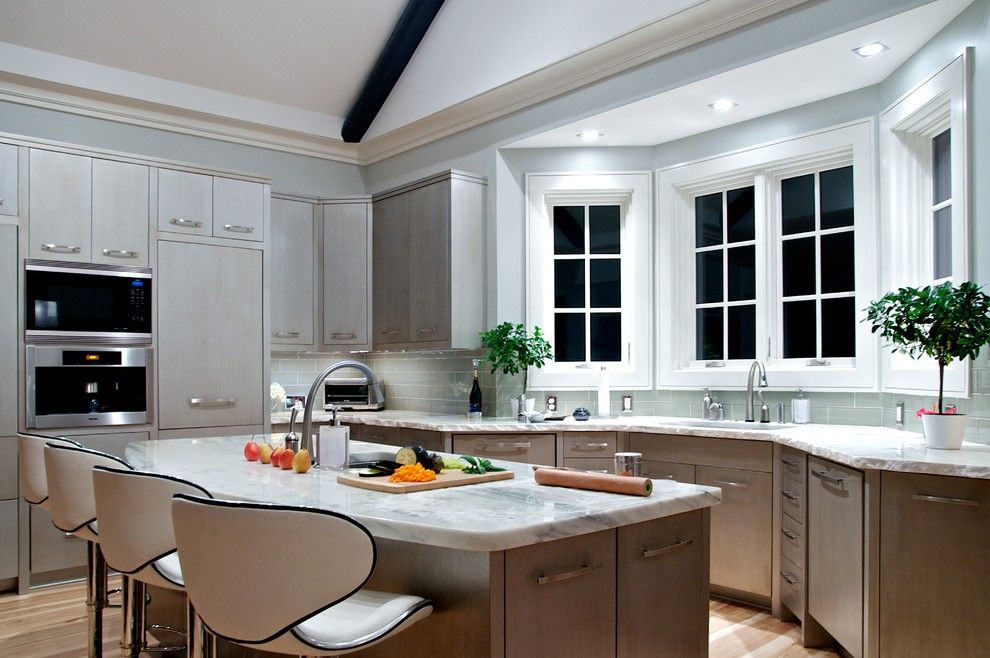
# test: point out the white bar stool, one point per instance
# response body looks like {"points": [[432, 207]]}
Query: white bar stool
{"points": [[31, 466], [320, 609]]}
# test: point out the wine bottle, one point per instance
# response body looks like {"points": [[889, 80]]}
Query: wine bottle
{"points": [[474, 398]]}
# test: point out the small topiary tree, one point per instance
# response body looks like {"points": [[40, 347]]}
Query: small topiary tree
{"points": [[512, 350]]}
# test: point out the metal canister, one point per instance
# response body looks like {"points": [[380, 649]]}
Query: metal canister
{"points": [[629, 463]]}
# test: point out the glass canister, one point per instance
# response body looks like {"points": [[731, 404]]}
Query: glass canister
{"points": [[629, 463]]}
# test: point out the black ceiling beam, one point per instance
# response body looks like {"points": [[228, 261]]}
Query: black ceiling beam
{"points": [[402, 43]]}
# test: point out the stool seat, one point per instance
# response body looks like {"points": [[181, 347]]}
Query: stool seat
{"points": [[168, 571]]}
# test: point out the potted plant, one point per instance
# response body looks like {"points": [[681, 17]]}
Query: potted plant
{"points": [[511, 349], [943, 322]]}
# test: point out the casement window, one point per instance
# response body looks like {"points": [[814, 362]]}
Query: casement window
{"points": [[770, 256], [923, 146], [589, 281]]}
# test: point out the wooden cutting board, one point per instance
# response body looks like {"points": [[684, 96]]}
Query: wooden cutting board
{"points": [[451, 478]]}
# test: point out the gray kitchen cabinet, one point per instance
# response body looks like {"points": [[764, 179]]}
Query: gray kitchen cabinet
{"points": [[934, 577], [54, 554], [835, 551], [662, 470], [293, 274], [8, 467], [185, 202], [210, 343], [238, 209], [8, 330], [60, 206], [428, 268], [8, 539], [8, 179], [397, 436], [120, 213], [347, 292], [114, 443], [517, 447]]}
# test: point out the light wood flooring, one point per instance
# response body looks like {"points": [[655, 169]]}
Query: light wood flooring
{"points": [[52, 622]]}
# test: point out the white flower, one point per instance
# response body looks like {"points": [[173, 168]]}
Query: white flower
{"points": [[277, 393]]}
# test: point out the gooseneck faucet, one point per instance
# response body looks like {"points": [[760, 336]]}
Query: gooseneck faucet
{"points": [[374, 397], [749, 387]]}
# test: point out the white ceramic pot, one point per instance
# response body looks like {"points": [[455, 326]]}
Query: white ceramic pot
{"points": [[944, 431]]}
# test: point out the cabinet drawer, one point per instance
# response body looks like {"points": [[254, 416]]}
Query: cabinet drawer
{"points": [[397, 436], [660, 470], [704, 451], [594, 465], [526, 448], [792, 498], [792, 587], [792, 540], [589, 444], [793, 464]]}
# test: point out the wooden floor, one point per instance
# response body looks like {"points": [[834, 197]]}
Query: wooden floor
{"points": [[52, 622]]}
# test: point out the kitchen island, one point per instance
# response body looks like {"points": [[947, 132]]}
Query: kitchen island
{"points": [[514, 568]]}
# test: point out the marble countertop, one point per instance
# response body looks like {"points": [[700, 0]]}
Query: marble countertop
{"points": [[861, 447], [480, 517]]}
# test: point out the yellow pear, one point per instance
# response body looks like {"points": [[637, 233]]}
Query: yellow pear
{"points": [[302, 461]]}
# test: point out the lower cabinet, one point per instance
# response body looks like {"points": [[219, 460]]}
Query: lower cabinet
{"points": [[526, 448], [590, 451], [114, 444], [8, 539], [397, 436], [54, 554], [661, 470]]}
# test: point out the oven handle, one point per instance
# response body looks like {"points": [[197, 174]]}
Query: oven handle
{"points": [[212, 402]]}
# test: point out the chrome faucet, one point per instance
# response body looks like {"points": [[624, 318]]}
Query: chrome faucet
{"points": [[374, 397], [749, 387]]}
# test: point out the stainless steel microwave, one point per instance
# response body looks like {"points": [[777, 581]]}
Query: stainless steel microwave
{"points": [[82, 302]]}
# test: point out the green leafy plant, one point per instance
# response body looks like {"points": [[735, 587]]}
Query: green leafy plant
{"points": [[944, 322], [513, 350]]}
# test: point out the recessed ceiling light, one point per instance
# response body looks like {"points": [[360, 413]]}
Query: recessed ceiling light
{"points": [[590, 135], [870, 49], [723, 105]]}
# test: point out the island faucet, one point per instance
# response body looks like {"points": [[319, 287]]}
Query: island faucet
{"points": [[749, 387], [374, 397]]}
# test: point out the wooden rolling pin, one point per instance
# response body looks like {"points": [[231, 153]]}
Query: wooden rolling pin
{"points": [[622, 484]]}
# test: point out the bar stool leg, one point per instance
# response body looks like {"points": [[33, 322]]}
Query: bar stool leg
{"points": [[133, 635], [96, 596]]}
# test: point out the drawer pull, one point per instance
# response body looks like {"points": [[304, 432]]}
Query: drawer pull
{"points": [[790, 534], [941, 499], [831, 479], [120, 253], [660, 476], [237, 228], [505, 445], [428, 330], [285, 334], [186, 223], [60, 248], [343, 334], [212, 402], [734, 485], [789, 496], [789, 577], [389, 332], [789, 462], [590, 447], [567, 575], [679, 544]]}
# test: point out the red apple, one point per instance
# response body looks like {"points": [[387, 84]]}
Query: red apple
{"points": [[252, 451], [276, 454], [285, 459]]}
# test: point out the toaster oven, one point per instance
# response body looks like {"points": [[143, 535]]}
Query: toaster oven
{"points": [[350, 394]]}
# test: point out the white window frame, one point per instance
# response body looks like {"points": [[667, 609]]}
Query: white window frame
{"points": [[631, 190], [763, 166], [906, 130]]}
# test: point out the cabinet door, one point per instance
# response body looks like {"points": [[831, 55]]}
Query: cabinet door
{"points": [[210, 348], [835, 551], [8, 179], [185, 202], [429, 263], [8, 539], [293, 273], [60, 206], [346, 275], [742, 529], [8, 331], [120, 213], [52, 549], [8, 467], [934, 577], [390, 255], [238, 209]]}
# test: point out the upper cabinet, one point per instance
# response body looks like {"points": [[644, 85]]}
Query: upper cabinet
{"points": [[347, 276], [120, 213], [238, 209], [293, 274], [198, 204], [426, 236], [8, 179]]}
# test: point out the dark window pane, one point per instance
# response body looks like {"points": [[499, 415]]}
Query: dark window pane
{"points": [[569, 337], [941, 167], [606, 283], [708, 220], [839, 327], [603, 227], [838, 264], [836, 191], [708, 273], [568, 229], [800, 330], [742, 332], [739, 214], [742, 273], [797, 202], [799, 266], [942, 244], [568, 283], [606, 336], [708, 333]]}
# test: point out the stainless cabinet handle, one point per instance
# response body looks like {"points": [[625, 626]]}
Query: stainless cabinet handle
{"points": [[236, 228], [212, 402], [343, 334], [431, 330], [285, 334], [189, 223], [598, 470], [734, 485], [660, 476], [60, 248], [2, 200], [567, 575], [653, 552], [389, 332], [790, 534], [828, 478], [940, 499], [789, 462], [788, 495], [120, 253], [579, 447], [789, 577], [506, 445]]}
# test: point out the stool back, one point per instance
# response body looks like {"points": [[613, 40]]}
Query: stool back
{"points": [[31, 465], [69, 471]]}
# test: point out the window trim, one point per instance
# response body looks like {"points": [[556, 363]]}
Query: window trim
{"points": [[633, 189]]}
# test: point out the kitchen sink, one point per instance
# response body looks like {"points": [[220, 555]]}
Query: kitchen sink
{"points": [[730, 425]]}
